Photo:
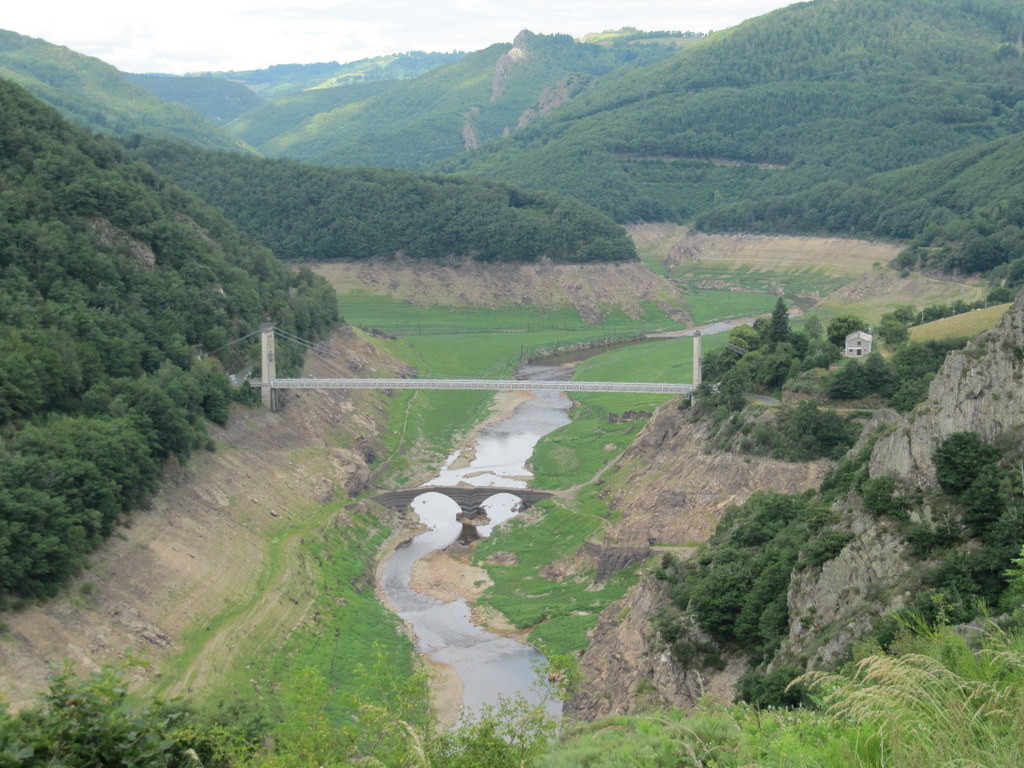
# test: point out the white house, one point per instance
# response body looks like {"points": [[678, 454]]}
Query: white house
{"points": [[858, 344]]}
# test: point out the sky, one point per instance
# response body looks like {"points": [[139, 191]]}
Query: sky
{"points": [[219, 35]]}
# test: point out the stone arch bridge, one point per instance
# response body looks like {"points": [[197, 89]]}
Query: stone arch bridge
{"points": [[469, 498]]}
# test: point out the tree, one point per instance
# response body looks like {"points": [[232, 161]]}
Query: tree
{"points": [[848, 383], [778, 330], [842, 326], [960, 459], [892, 331], [86, 723], [813, 327]]}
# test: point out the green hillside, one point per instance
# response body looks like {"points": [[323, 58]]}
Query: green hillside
{"points": [[111, 281], [214, 98], [464, 104], [821, 91], [961, 212], [283, 79], [310, 213], [97, 95], [221, 97], [279, 115]]}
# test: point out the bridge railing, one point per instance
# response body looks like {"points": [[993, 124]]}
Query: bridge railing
{"points": [[484, 384]]}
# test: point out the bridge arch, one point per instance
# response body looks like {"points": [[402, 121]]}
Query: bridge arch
{"points": [[474, 511]]}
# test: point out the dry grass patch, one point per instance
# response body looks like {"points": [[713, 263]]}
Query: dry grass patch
{"points": [[968, 325], [678, 247]]}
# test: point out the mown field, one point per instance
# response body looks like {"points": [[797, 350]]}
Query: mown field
{"points": [[965, 325]]}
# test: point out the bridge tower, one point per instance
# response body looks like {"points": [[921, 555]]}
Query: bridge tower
{"points": [[268, 366], [696, 360]]}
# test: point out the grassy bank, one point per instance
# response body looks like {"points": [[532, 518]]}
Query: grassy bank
{"points": [[551, 588], [548, 589], [311, 605]]}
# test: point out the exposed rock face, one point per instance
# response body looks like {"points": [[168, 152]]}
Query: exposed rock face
{"points": [[835, 604], [507, 62], [627, 670], [980, 389], [977, 390], [470, 137], [669, 492], [113, 238], [553, 97], [676, 493]]}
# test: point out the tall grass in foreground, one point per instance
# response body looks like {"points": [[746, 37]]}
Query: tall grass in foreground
{"points": [[952, 697], [948, 697]]}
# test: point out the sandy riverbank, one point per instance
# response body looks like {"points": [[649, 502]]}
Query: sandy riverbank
{"points": [[447, 577]]}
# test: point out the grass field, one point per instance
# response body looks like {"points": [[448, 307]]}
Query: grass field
{"points": [[825, 276], [558, 611], [368, 310], [966, 325]]}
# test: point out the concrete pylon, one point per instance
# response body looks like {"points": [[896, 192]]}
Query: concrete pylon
{"points": [[268, 365], [696, 360]]}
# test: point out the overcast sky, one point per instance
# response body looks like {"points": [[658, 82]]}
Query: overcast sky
{"points": [[201, 35]]}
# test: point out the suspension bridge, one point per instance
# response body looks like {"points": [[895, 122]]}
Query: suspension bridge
{"points": [[271, 384]]}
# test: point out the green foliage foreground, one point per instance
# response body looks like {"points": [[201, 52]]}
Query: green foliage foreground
{"points": [[944, 697]]}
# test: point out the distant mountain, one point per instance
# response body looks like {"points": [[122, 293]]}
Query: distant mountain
{"points": [[223, 96], [825, 91], [96, 94], [283, 79], [462, 105], [214, 98]]}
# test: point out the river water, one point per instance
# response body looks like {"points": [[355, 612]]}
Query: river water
{"points": [[490, 665]]}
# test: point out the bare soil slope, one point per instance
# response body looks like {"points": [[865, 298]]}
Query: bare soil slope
{"points": [[201, 549], [591, 289]]}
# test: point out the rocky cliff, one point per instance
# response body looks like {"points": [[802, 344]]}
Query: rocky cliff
{"points": [[669, 490], [628, 670], [980, 389], [977, 390], [670, 494]]}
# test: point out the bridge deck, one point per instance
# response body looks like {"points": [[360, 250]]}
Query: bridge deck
{"points": [[488, 384]]}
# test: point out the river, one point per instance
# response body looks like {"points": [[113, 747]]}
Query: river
{"points": [[490, 665]]}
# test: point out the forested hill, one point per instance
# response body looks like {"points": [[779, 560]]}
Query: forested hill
{"points": [[282, 79], [111, 282], [309, 213], [961, 212], [826, 91], [224, 96], [452, 108], [96, 94]]}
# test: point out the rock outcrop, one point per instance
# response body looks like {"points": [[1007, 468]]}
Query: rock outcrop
{"points": [[669, 492], [675, 494], [627, 670], [980, 389], [977, 390]]}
